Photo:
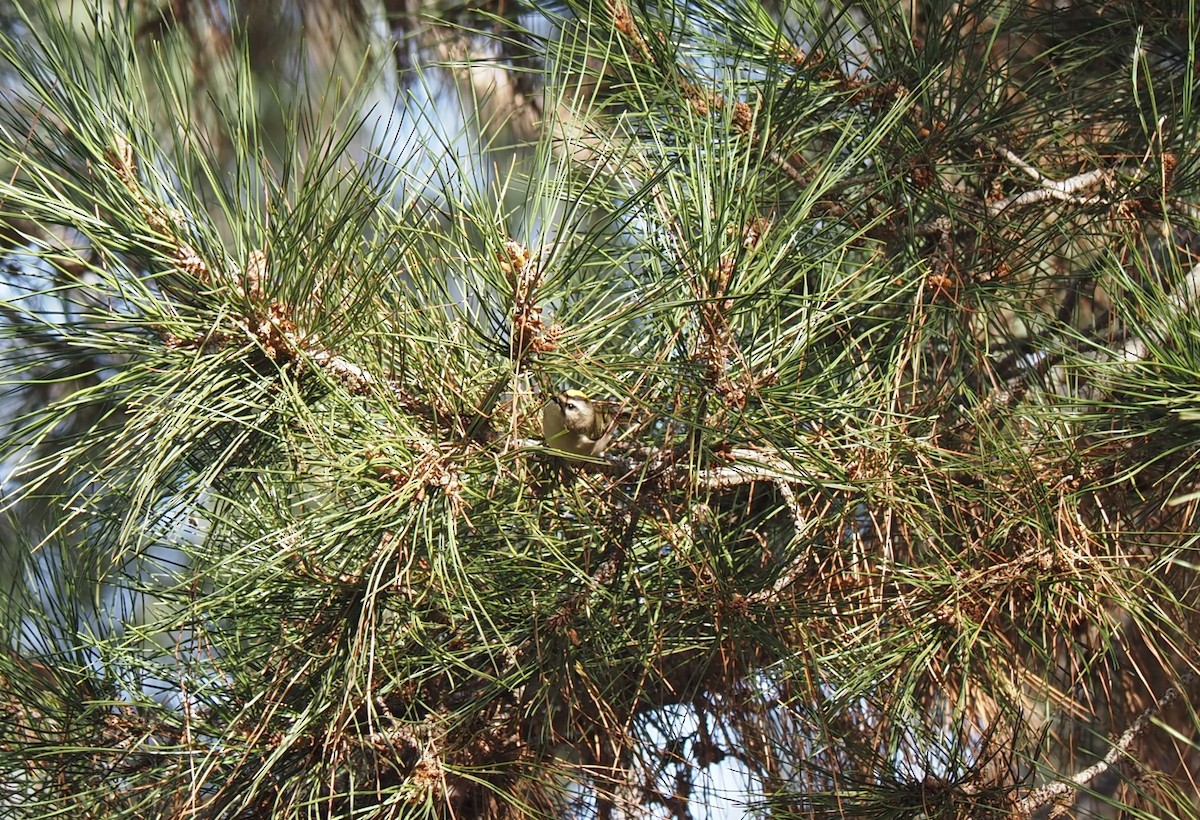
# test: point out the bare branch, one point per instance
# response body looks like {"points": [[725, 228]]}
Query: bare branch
{"points": [[1065, 191], [1044, 795]]}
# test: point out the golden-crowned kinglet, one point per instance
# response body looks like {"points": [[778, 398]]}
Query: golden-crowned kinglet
{"points": [[573, 423]]}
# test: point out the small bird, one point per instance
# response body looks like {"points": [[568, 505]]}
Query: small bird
{"points": [[573, 423]]}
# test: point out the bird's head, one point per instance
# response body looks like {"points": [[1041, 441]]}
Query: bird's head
{"points": [[578, 413]]}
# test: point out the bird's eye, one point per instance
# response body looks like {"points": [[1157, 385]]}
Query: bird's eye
{"points": [[570, 405]]}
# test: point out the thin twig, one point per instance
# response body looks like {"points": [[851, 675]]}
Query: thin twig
{"points": [[1044, 795], [1037, 175]]}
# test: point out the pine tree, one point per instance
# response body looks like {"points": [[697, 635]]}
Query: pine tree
{"points": [[897, 309]]}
